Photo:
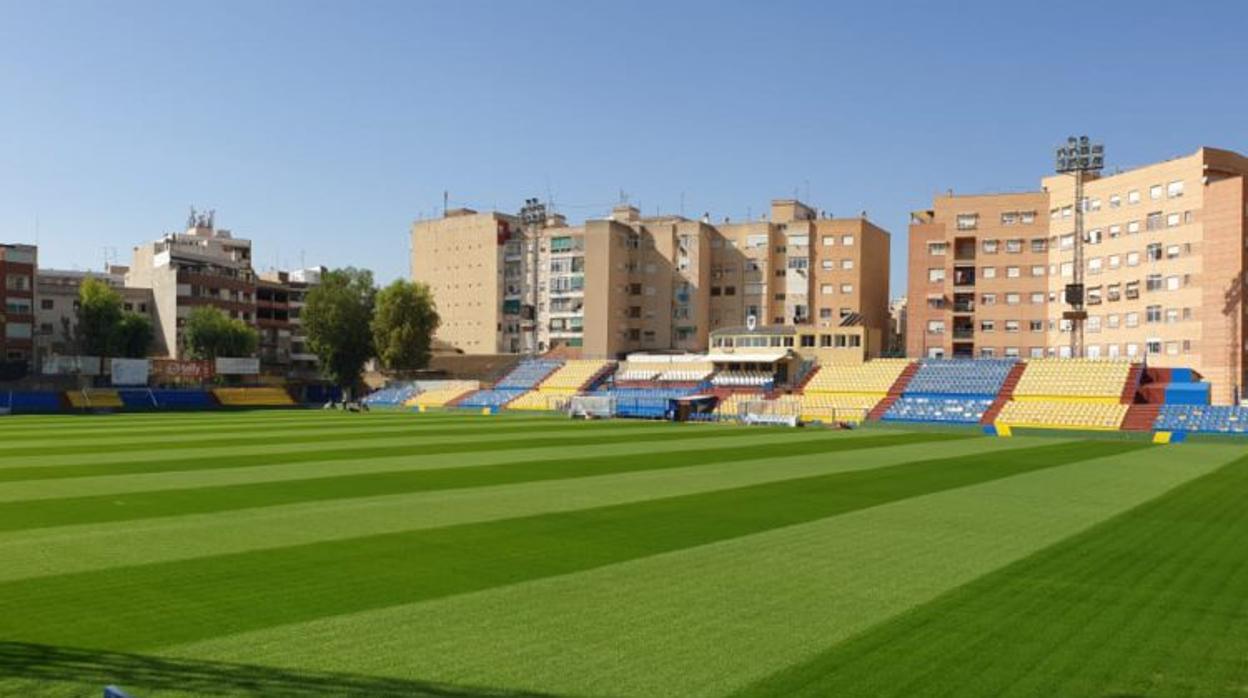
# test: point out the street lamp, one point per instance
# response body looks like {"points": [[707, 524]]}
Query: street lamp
{"points": [[1078, 157]]}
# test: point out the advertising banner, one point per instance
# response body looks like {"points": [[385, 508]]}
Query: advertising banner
{"points": [[246, 366], [71, 366], [129, 371], [175, 371]]}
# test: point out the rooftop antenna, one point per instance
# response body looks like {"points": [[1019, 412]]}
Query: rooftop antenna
{"points": [[446, 195]]}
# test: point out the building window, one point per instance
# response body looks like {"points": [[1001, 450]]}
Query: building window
{"points": [[989, 272], [1115, 201], [1174, 189], [847, 288], [1037, 297], [1011, 325], [1173, 220], [935, 326], [936, 275], [1039, 245], [1013, 272], [988, 299], [847, 264], [1154, 192], [46, 304], [1013, 298], [990, 246], [987, 325], [1014, 246], [1153, 221], [1035, 325], [967, 221], [847, 240], [1037, 270], [937, 249]]}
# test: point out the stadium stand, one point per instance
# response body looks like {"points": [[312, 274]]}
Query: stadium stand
{"points": [[440, 393], [492, 398], [848, 392], [729, 407], [1214, 419], [528, 374], [743, 379], [1063, 414], [576, 375], [1069, 394], [935, 408], [392, 395], [950, 390], [1095, 380], [253, 397], [94, 399], [32, 401], [144, 399]]}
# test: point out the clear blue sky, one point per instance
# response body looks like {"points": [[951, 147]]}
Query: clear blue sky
{"points": [[322, 129]]}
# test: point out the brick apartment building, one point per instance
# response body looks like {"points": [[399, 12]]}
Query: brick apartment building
{"points": [[1164, 258]]}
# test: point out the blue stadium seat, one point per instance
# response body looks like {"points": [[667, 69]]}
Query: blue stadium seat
{"points": [[955, 391], [1220, 419], [929, 408]]}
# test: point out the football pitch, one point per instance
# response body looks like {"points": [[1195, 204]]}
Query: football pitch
{"points": [[451, 555]]}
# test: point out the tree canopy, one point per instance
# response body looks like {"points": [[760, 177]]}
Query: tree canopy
{"points": [[403, 325], [99, 312], [104, 328], [337, 317], [209, 333]]}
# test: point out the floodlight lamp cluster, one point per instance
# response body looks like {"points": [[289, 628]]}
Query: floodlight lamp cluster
{"points": [[1080, 155], [533, 211]]}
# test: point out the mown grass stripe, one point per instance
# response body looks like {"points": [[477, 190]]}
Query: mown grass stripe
{"points": [[98, 546], [212, 423], [1149, 603], [24, 515], [303, 434], [533, 439], [166, 603]]}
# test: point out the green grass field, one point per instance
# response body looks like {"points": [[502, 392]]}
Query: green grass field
{"points": [[394, 554]]}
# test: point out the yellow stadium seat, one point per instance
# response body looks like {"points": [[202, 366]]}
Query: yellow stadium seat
{"points": [[573, 375], [1093, 380], [253, 397], [840, 407], [869, 377], [93, 398], [1063, 414], [442, 394]]}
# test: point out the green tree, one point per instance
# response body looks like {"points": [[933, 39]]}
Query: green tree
{"points": [[337, 315], [132, 336], [99, 311], [403, 324], [209, 333]]}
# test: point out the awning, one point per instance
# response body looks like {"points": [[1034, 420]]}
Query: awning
{"points": [[754, 356]]}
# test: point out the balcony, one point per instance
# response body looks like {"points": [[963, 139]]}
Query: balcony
{"points": [[964, 276]]}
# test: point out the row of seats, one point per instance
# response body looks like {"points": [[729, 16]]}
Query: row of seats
{"points": [[838, 407], [492, 398], [392, 396], [1083, 378], [142, 398], [439, 393], [93, 399], [960, 376], [1063, 414], [743, 378], [876, 376], [540, 400], [573, 375], [1224, 419], [731, 405], [528, 374], [933, 408], [253, 397], [684, 375]]}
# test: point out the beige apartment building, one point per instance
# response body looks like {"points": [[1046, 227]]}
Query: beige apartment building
{"points": [[631, 283], [203, 266], [1164, 259], [56, 306]]}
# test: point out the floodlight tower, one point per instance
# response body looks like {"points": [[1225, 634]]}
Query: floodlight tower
{"points": [[1078, 157], [533, 218]]}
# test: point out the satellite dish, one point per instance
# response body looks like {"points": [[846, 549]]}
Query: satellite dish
{"points": [[751, 322]]}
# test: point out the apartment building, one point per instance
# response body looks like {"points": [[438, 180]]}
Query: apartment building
{"points": [[17, 283], [1164, 258], [280, 298], [629, 283], [56, 305], [204, 266], [978, 277]]}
